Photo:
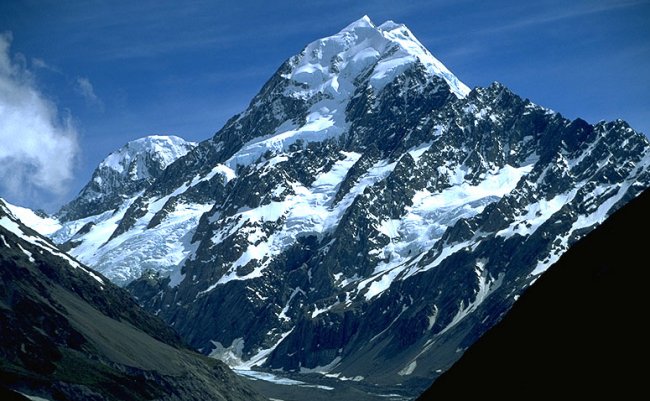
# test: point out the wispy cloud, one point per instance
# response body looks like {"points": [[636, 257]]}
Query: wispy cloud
{"points": [[37, 148], [84, 88], [40, 64]]}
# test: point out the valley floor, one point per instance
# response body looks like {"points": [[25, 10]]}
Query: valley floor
{"points": [[316, 387]]}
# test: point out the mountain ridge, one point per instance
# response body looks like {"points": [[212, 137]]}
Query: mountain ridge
{"points": [[123, 173], [568, 329], [354, 224]]}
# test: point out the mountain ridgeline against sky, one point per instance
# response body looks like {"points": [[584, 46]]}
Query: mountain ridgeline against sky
{"points": [[367, 216]]}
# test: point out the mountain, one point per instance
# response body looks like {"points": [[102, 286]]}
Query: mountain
{"points": [[93, 218], [67, 333], [38, 221], [124, 173], [576, 331], [367, 217]]}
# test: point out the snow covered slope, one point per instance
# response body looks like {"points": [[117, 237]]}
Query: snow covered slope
{"points": [[108, 229], [9, 222], [367, 216], [37, 221], [90, 221]]}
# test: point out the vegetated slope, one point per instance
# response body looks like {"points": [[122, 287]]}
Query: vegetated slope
{"points": [[367, 216], [67, 333], [580, 330]]}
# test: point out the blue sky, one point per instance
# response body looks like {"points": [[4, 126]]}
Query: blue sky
{"points": [[107, 72]]}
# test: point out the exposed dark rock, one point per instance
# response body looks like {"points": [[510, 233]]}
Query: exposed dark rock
{"points": [[575, 331]]}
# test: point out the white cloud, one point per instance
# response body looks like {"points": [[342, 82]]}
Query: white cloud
{"points": [[86, 90], [40, 64], [38, 149]]}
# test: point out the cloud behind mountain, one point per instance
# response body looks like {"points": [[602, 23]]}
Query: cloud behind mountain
{"points": [[38, 145]]}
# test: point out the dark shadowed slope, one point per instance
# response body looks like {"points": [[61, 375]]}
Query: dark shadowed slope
{"points": [[580, 329], [67, 333]]}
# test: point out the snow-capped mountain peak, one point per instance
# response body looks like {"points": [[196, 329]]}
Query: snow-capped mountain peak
{"points": [[312, 96], [125, 172], [401, 34], [390, 25], [364, 199], [332, 64], [130, 160], [363, 22]]}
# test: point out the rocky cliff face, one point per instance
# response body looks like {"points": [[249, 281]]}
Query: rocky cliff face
{"points": [[368, 216], [67, 333]]}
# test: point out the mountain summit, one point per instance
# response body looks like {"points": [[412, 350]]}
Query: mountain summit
{"points": [[366, 218], [332, 64], [125, 172]]}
